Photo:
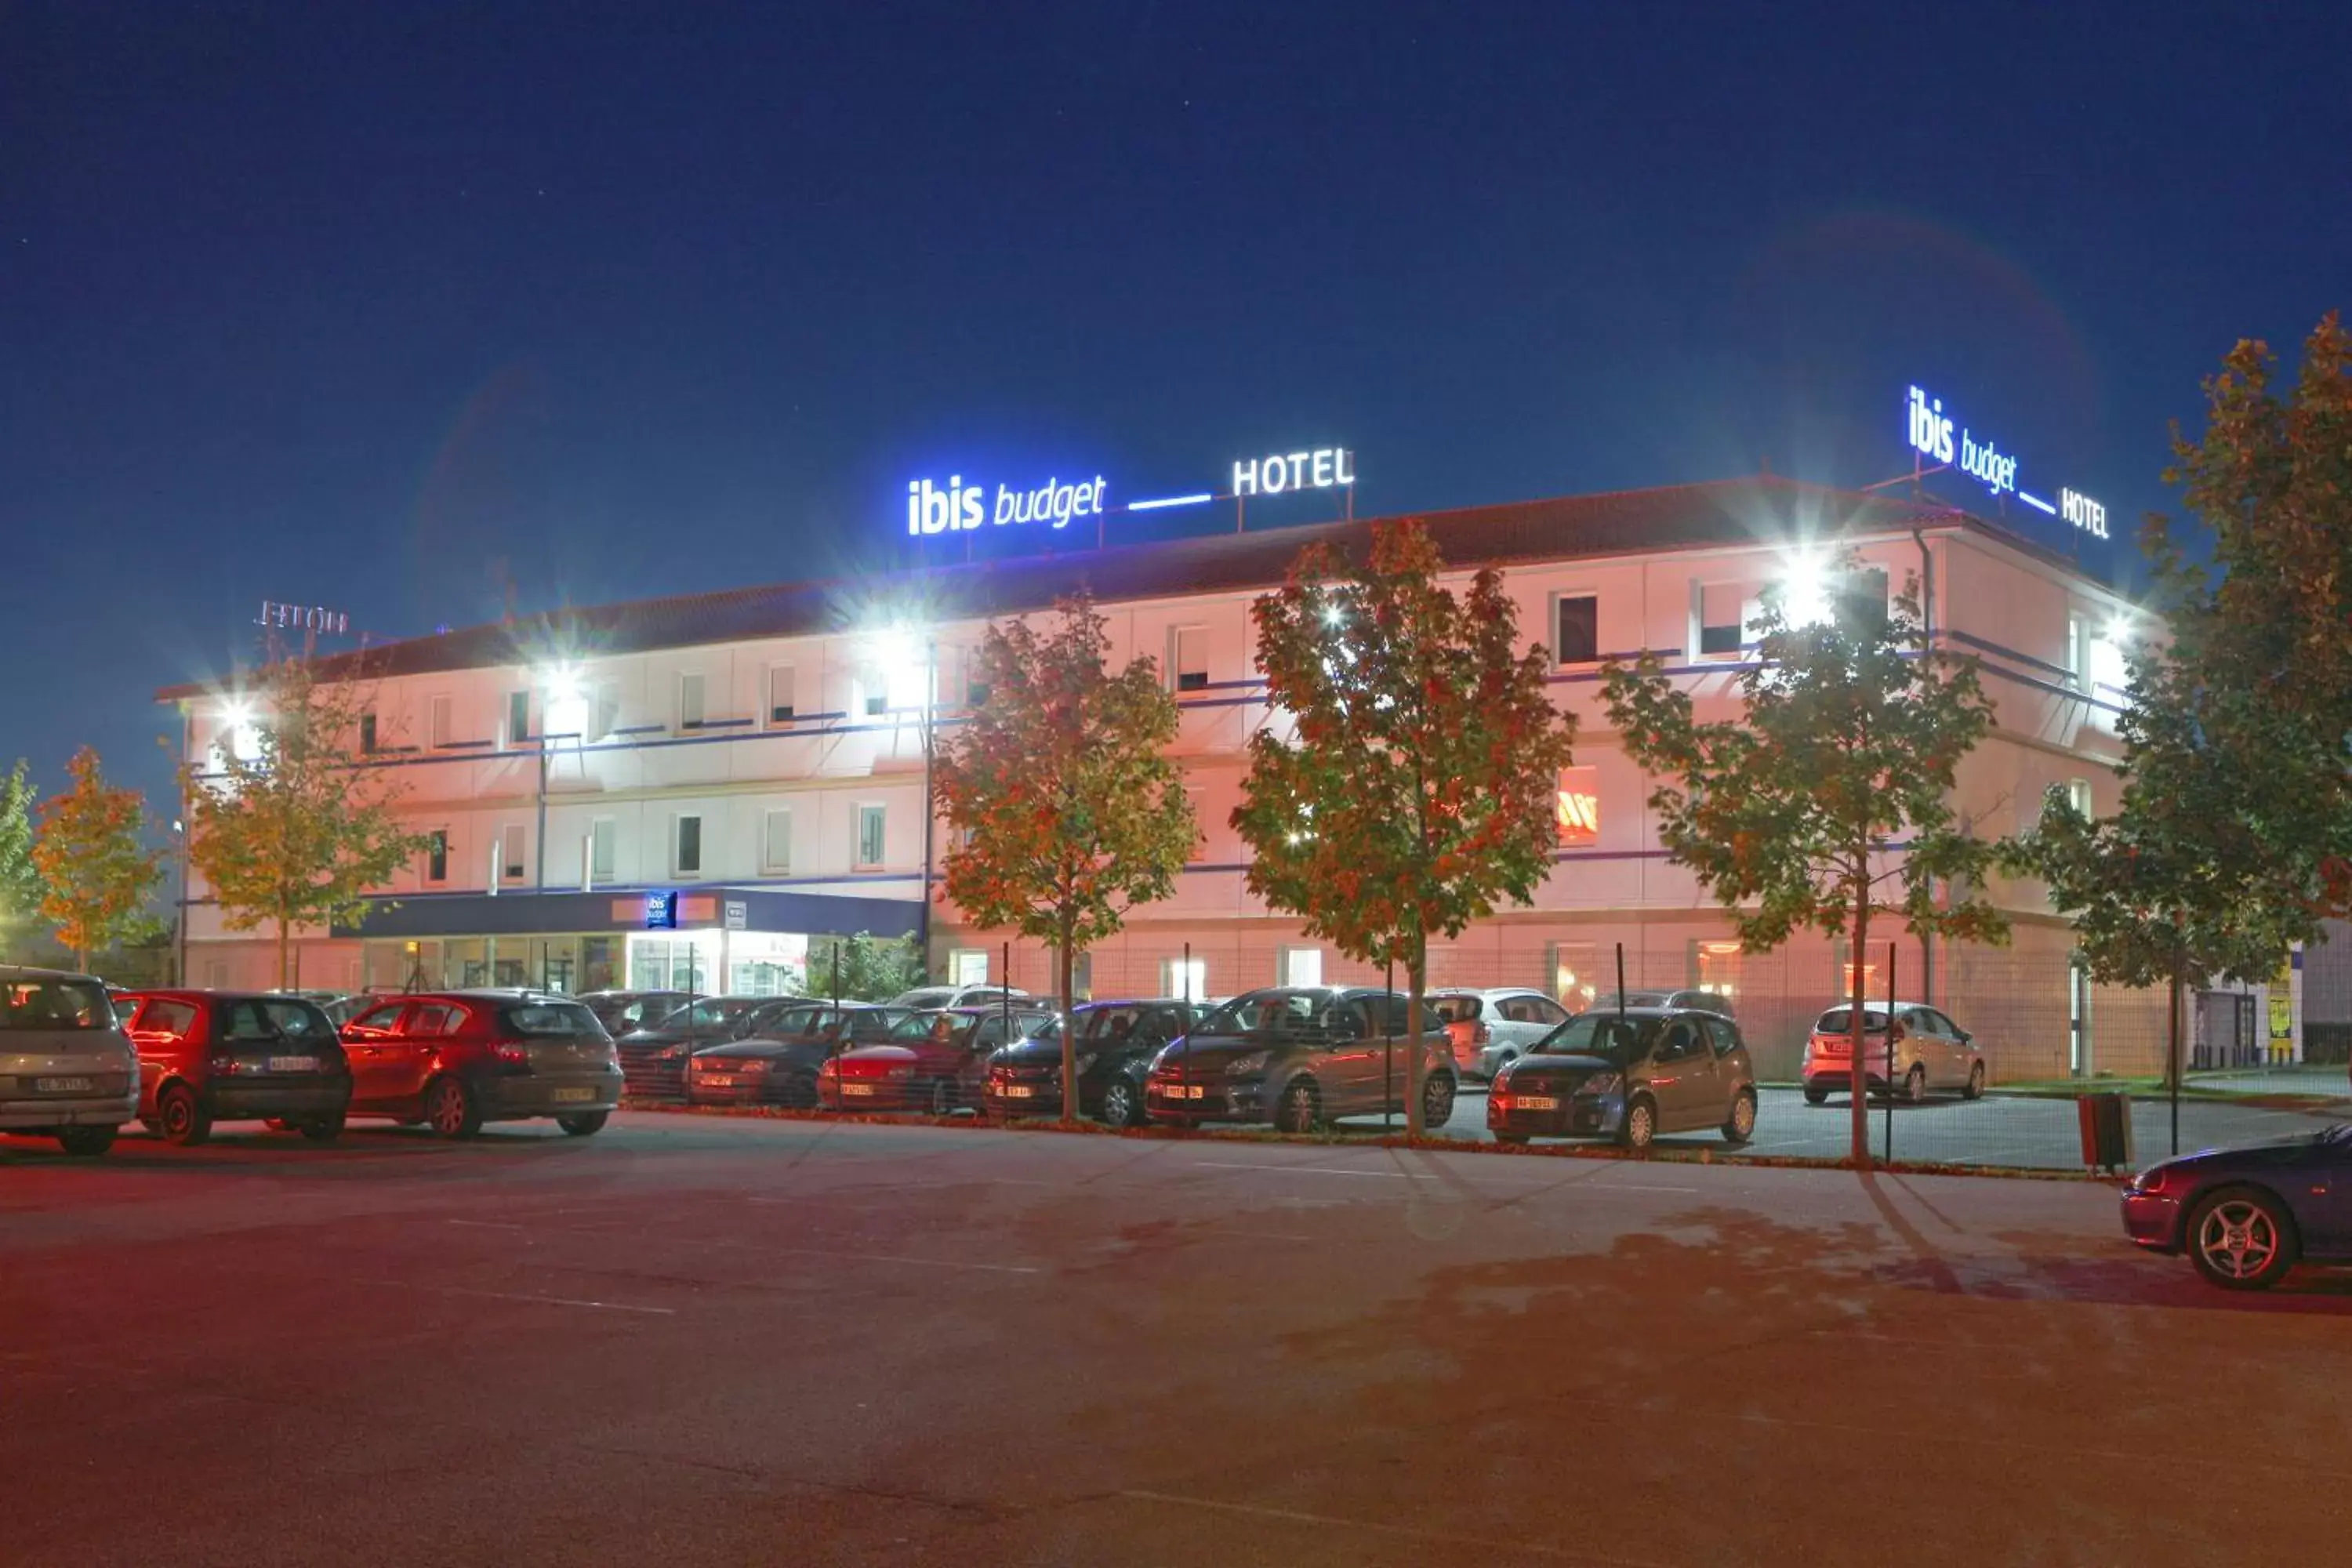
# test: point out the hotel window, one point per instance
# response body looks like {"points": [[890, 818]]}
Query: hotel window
{"points": [[776, 842], [367, 732], [1302, 966], [2078, 796], [444, 728], [690, 703], [511, 856], [1725, 611], [688, 861], [2078, 653], [604, 841], [869, 835], [874, 685], [604, 710], [1578, 617], [436, 855], [1185, 977], [780, 694], [1188, 657], [968, 966], [517, 718]]}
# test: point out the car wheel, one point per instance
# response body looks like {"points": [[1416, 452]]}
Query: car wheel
{"points": [[583, 1124], [1301, 1109], [1815, 1096], [324, 1128], [1741, 1126], [1121, 1106], [450, 1110], [1915, 1084], [1640, 1123], [183, 1119], [1975, 1090], [2242, 1239], [1436, 1102], [799, 1092], [85, 1143]]}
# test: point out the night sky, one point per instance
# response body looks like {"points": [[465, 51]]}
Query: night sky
{"points": [[392, 307]]}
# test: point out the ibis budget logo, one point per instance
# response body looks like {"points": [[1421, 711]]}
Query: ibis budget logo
{"points": [[957, 507], [1579, 805], [1941, 438]]}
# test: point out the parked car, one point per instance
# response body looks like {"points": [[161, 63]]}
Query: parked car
{"points": [[2246, 1216], [1298, 1057], [1115, 1044], [654, 1058], [777, 1063], [1931, 1053], [1491, 1027], [932, 997], [1686, 996], [933, 1061], [622, 1011], [66, 1069], [455, 1059], [230, 1056], [1629, 1075]]}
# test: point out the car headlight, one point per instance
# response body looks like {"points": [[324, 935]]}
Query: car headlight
{"points": [[1599, 1084], [1244, 1067], [2150, 1180]]}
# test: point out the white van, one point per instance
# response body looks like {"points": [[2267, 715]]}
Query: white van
{"points": [[66, 1070]]}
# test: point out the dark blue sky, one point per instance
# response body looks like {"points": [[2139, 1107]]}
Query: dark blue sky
{"points": [[382, 307]]}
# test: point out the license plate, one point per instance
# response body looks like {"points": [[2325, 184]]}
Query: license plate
{"points": [[63, 1086], [1534, 1102], [293, 1064], [571, 1096], [717, 1080], [1183, 1091], [1019, 1091], [857, 1089]]}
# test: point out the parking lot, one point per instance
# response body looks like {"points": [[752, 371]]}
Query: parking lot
{"points": [[1999, 1129], [698, 1339]]}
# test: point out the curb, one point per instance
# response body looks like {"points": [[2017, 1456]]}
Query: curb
{"points": [[1383, 1140]]}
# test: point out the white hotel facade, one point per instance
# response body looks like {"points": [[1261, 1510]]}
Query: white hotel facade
{"points": [[750, 764]]}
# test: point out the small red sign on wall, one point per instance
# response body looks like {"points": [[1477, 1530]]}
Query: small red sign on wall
{"points": [[1579, 805]]}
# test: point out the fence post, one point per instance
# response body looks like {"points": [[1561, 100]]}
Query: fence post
{"points": [[1886, 1157]]}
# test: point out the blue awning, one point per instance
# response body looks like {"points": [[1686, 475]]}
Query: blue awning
{"points": [[522, 912]]}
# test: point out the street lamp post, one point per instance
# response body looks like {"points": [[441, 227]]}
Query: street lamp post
{"points": [[931, 695]]}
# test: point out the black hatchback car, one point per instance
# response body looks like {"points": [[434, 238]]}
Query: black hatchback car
{"points": [[1115, 1043], [777, 1063], [654, 1058], [1629, 1075]]}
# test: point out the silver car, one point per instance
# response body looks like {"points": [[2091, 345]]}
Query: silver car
{"points": [[66, 1070], [1492, 1029]]}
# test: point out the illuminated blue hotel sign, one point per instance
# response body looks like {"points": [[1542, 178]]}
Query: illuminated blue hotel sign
{"points": [[956, 507], [1932, 433]]}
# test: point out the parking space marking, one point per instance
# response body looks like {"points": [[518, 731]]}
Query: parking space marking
{"points": [[540, 1300], [1310, 1170], [1376, 1527], [918, 1262]]}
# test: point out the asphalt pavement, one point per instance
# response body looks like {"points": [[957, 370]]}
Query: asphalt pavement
{"points": [[696, 1341]]}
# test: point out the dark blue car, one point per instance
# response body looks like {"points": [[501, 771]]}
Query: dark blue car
{"points": [[2248, 1215]]}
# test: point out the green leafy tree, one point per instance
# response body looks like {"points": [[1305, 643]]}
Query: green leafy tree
{"points": [[20, 879], [2259, 645], [96, 874], [1419, 788], [1790, 814], [297, 833], [870, 968], [1070, 810]]}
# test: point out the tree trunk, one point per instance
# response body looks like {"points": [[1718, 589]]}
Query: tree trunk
{"points": [[1857, 1037], [1416, 971], [1069, 1040], [81, 957], [285, 954], [2172, 1051]]}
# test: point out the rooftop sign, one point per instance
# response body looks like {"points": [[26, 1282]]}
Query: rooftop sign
{"points": [[956, 507], [1931, 433]]}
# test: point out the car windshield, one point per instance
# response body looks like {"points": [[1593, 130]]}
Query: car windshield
{"points": [[1600, 1034], [255, 1019], [55, 1004], [928, 996], [1840, 1021], [934, 1027], [553, 1021], [1269, 1011]]}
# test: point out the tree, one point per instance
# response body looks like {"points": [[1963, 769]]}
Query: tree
{"points": [[2259, 655], [1071, 809], [297, 832], [872, 969], [96, 873], [1790, 814], [20, 879], [1420, 787]]}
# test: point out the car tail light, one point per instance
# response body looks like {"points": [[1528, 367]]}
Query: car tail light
{"points": [[510, 1051], [1480, 1034], [227, 1064]]}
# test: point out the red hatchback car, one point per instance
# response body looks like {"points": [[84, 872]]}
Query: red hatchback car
{"points": [[935, 1061], [226, 1056], [454, 1059]]}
